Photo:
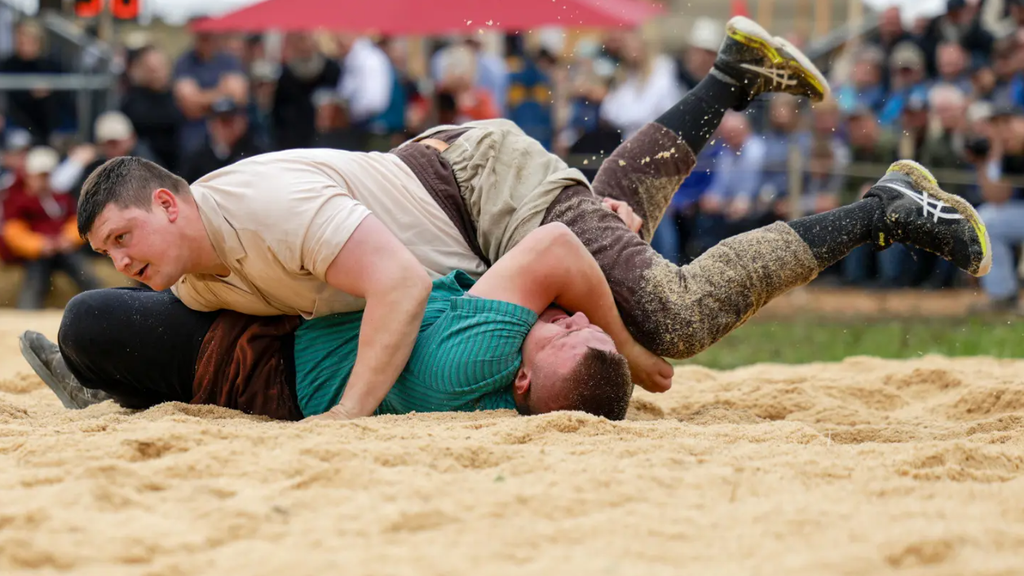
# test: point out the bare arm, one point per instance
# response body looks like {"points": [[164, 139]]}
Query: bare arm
{"points": [[376, 266], [193, 101], [552, 265]]}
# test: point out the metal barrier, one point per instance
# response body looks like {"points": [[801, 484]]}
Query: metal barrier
{"points": [[90, 61]]}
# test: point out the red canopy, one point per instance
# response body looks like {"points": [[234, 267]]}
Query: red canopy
{"points": [[428, 17]]}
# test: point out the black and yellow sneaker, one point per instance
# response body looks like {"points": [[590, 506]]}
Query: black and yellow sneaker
{"points": [[763, 63], [917, 212]]}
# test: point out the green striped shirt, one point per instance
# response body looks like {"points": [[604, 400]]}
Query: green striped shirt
{"points": [[465, 358]]}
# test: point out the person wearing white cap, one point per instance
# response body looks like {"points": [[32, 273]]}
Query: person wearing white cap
{"points": [[40, 229], [706, 36], [114, 136]]}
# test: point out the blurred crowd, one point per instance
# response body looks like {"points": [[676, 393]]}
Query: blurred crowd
{"points": [[947, 91]]}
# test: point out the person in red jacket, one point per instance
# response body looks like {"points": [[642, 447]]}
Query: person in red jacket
{"points": [[40, 229]]}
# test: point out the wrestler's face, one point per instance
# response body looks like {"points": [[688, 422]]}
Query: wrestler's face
{"points": [[551, 351], [144, 245]]}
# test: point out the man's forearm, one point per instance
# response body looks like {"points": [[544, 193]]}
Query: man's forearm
{"points": [[584, 288], [390, 324]]}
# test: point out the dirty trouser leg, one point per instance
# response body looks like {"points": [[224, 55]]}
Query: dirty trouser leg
{"points": [[645, 172], [678, 311]]}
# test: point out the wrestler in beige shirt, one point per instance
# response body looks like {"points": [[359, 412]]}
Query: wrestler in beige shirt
{"points": [[300, 232]]}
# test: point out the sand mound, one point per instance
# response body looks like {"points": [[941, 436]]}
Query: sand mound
{"points": [[862, 467]]}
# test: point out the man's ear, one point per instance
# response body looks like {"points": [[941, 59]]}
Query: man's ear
{"points": [[522, 382], [165, 200]]}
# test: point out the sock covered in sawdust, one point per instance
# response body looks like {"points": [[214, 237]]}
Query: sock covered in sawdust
{"points": [[686, 309], [696, 117], [834, 234]]}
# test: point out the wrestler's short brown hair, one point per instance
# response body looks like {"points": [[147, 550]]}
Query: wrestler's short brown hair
{"points": [[600, 384], [126, 182]]}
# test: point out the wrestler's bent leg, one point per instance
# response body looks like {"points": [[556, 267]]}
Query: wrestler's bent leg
{"points": [[137, 345]]}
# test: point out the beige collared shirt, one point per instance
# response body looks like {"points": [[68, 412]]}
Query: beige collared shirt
{"points": [[278, 220]]}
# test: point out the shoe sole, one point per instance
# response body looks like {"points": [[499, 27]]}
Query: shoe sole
{"points": [[44, 373], [746, 31], [960, 205]]}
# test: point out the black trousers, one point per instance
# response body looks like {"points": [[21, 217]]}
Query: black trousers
{"points": [[135, 344]]}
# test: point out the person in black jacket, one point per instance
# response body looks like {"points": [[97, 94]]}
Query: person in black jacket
{"points": [[305, 71], [228, 141], [39, 111], [149, 104]]}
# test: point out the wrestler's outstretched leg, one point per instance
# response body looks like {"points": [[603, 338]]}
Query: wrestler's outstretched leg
{"points": [[646, 170], [678, 311]]}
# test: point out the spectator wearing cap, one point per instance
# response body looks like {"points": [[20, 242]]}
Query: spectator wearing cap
{"points": [[1003, 208], [706, 36], [150, 106], [229, 140], [202, 76], [961, 24], [41, 229], [39, 111], [114, 136], [866, 87], [907, 80], [305, 70]]}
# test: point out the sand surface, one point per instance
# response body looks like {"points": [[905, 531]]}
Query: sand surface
{"points": [[861, 467]]}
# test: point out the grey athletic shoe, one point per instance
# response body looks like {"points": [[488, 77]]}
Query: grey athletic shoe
{"points": [[763, 63], [919, 213], [45, 359]]}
